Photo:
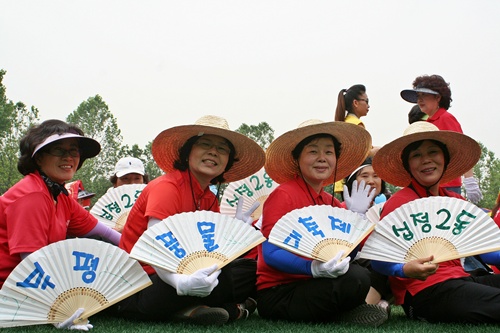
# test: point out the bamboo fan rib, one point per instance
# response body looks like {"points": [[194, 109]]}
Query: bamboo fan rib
{"points": [[114, 206], [50, 284], [257, 187], [186, 242], [320, 232], [447, 228]]}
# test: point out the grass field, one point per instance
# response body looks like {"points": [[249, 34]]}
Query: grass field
{"points": [[397, 324]]}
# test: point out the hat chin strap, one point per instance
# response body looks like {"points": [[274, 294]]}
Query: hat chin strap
{"points": [[427, 188]]}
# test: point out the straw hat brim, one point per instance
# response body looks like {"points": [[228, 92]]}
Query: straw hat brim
{"points": [[355, 144], [464, 154], [250, 155]]}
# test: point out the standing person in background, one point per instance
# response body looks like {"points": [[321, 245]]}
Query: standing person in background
{"points": [[433, 95], [291, 287], [37, 210], [416, 114], [129, 170], [193, 157], [352, 104]]}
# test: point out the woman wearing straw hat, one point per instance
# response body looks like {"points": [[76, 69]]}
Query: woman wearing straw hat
{"points": [[38, 211], [193, 157], [291, 287], [421, 160]]}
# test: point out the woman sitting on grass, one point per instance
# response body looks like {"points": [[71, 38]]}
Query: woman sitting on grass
{"points": [[422, 160], [290, 287]]}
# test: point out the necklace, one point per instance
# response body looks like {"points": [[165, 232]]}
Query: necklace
{"points": [[309, 191], [197, 204]]}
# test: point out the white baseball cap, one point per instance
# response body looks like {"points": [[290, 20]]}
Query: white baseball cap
{"points": [[128, 165]]}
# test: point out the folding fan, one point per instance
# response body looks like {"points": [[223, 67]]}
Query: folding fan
{"points": [[320, 231], [50, 284], [448, 228], [186, 242], [113, 207], [257, 187], [373, 213]]}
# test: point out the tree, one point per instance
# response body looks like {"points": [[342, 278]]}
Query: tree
{"points": [[145, 155], [487, 172], [262, 133], [16, 118], [96, 121]]}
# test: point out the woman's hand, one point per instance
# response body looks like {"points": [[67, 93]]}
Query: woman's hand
{"points": [[420, 269]]}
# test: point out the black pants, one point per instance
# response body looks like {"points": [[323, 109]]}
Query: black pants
{"points": [[159, 301], [379, 281], [315, 300], [466, 300]]}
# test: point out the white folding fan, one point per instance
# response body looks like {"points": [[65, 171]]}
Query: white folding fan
{"points": [[186, 242], [113, 207], [50, 284], [447, 228], [256, 187], [320, 231], [373, 213]]}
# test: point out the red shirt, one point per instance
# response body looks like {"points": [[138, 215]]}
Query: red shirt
{"points": [[30, 220], [447, 122], [288, 196], [166, 195], [447, 270]]}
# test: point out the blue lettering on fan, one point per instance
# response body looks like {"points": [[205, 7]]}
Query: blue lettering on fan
{"points": [[311, 226], [171, 243], [88, 263], [207, 232], [338, 224], [295, 235], [34, 279]]}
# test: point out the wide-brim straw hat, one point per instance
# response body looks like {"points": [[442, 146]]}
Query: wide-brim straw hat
{"points": [[250, 156], [355, 143], [464, 153]]}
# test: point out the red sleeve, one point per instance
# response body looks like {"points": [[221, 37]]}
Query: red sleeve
{"points": [[496, 218], [164, 200], [275, 206], [81, 222]]}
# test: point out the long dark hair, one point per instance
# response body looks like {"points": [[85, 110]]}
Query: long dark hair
{"points": [[345, 99]]}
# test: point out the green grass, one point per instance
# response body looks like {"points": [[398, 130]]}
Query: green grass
{"points": [[398, 323]]}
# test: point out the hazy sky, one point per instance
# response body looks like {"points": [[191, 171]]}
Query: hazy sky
{"points": [[161, 63]]}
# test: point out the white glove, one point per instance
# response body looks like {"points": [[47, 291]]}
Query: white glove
{"points": [[361, 197], [472, 190], [200, 283], [68, 323], [330, 269], [246, 216]]}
